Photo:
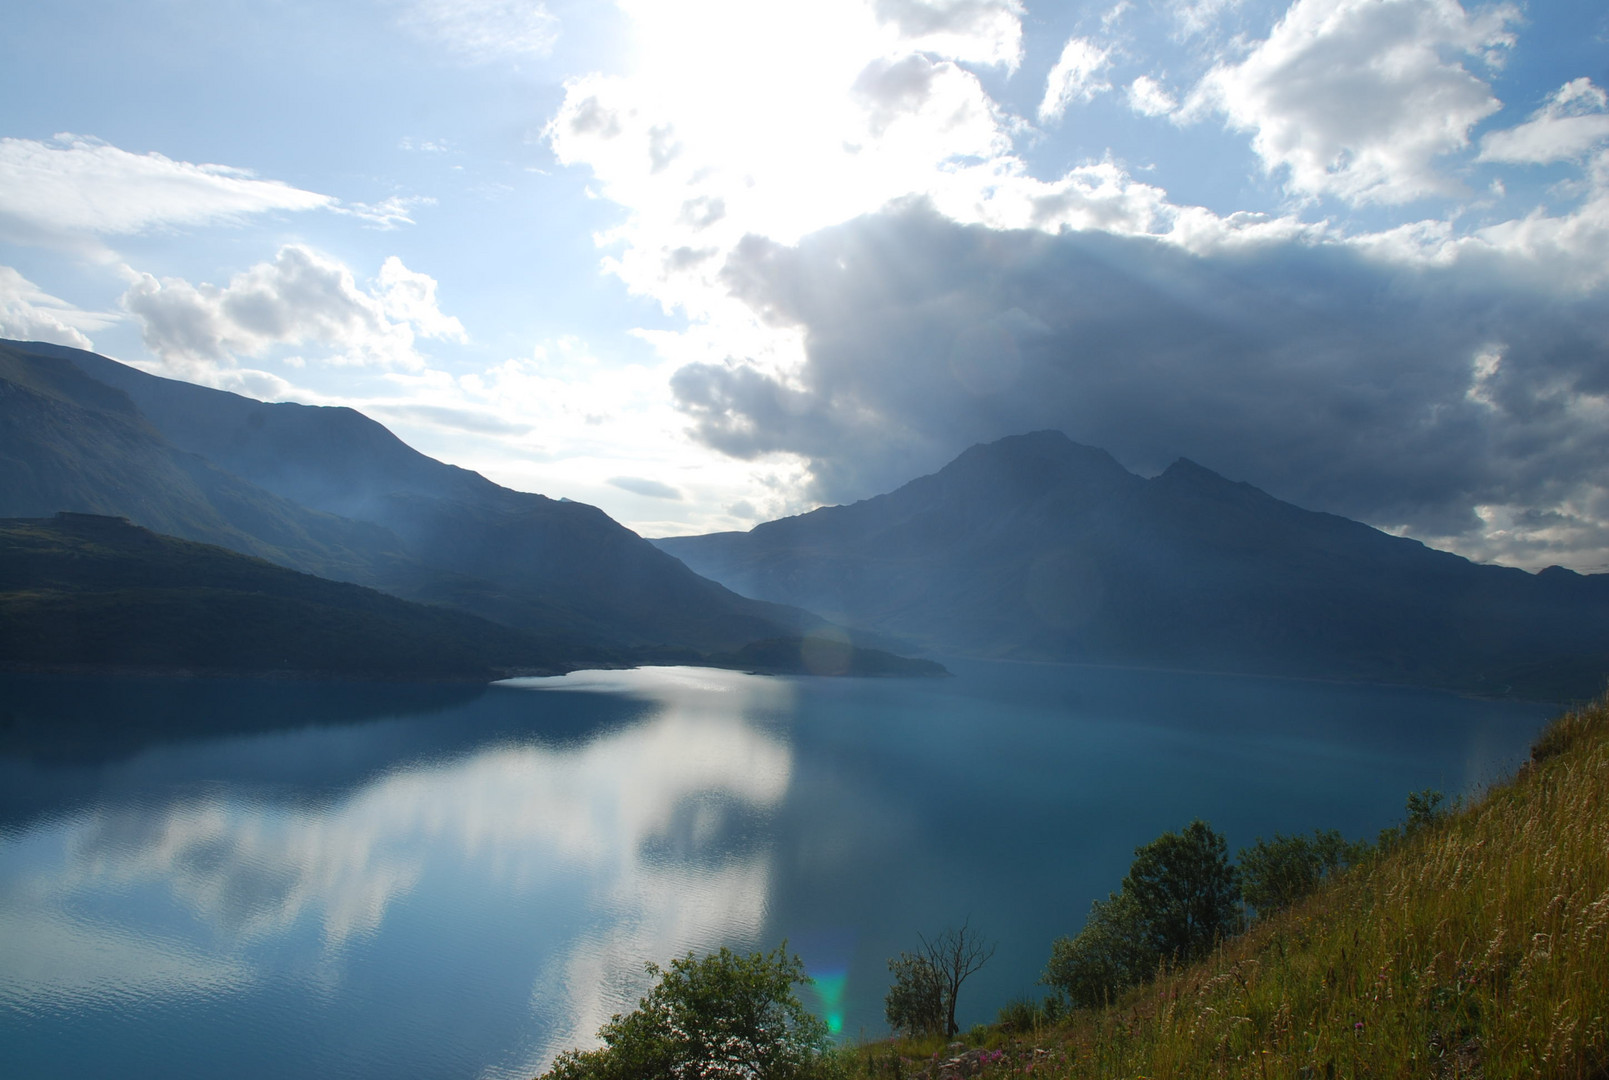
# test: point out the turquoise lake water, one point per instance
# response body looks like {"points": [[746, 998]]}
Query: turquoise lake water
{"points": [[270, 879]]}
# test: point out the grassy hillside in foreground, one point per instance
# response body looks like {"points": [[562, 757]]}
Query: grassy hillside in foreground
{"points": [[1477, 947]]}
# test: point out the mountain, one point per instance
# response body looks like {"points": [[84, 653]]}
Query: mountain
{"points": [[1037, 548], [330, 491], [82, 592], [68, 442]]}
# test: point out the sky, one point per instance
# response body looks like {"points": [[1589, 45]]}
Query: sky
{"points": [[704, 263]]}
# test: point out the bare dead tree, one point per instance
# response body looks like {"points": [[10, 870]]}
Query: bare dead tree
{"points": [[955, 955]]}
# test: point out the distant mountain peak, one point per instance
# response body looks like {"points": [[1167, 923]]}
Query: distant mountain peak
{"points": [[1022, 466], [1049, 444], [1035, 547], [1185, 475]]}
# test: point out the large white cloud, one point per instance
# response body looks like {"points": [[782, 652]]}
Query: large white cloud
{"points": [[1358, 99], [780, 119], [300, 299], [53, 192], [978, 31], [801, 186]]}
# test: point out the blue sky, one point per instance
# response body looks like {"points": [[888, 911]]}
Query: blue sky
{"points": [[705, 263]]}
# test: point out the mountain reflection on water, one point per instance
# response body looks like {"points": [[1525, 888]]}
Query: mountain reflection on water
{"points": [[201, 877]]}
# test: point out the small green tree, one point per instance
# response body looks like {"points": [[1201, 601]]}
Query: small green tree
{"points": [[927, 984], [1186, 891], [720, 1017], [1274, 874], [1179, 898], [915, 1001]]}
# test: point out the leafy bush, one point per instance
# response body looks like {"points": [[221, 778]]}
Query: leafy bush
{"points": [[1025, 1015], [720, 1017], [1424, 807], [1274, 874], [1110, 954]]}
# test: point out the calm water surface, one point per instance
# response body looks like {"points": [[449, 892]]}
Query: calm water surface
{"points": [[257, 879]]}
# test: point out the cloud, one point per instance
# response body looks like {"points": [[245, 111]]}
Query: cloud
{"points": [[388, 213], [1195, 17], [977, 31], [484, 31], [1076, 77], [453, 419], [1319, 371], [48, 961], [873, 276], [302, 298], [651, 489], [28, 313], [1358, 99], [51, 192], [1573, 122], [1150, 98], [779, 119]]}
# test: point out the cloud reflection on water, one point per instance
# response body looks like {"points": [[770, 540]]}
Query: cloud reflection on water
{"points": [[651, 828]]}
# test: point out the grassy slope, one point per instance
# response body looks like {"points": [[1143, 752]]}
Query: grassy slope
{"points": [[1478, 947]]}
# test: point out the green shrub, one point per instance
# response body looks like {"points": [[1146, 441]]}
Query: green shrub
{"points": [[720, 1017], [1276, 873]]}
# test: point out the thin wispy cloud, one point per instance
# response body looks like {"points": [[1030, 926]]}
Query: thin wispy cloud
{"points": [[1574, 122], [484, 31], [74, 185]]}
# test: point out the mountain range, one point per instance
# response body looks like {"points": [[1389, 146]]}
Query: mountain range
{"points": [[1038, 548], [1033, 547], [330, 492]]}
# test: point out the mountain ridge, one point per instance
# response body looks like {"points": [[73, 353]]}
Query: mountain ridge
{"points": [[1035, 547]]}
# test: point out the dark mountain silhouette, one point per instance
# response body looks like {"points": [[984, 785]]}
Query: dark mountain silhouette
{"points": [[1038, 548], [87, 592], [330, 491]]}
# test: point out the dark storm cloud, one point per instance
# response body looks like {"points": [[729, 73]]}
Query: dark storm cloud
{"points": [[1329, 378]]}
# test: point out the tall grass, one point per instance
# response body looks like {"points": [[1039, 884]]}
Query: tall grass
{"points": [[1477, 946]]}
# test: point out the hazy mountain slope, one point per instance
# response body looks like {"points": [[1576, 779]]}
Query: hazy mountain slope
{"points": [[1037, 548], [68, 442], [90, 592], [516, 557]]}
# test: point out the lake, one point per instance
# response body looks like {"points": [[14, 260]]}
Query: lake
{"points": [[266, 879]]}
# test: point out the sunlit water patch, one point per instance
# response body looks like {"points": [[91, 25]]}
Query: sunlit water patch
{"points": [[265, 879]]}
